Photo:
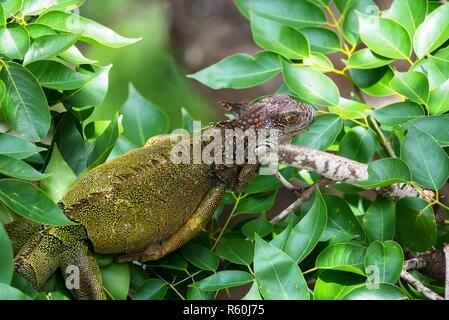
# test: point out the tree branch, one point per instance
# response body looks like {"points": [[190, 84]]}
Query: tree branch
{"points": [[340, 169], [430, 263], [419, 286], [446, 288]]}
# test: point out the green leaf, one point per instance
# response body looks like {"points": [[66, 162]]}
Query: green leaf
{"points": [[102, 147], [433, 32], [24, 107], [318, 89], [414, 85], [341, 223], [408, 13], [34, 7], [171, 262], [243, 6], [416, 227], [351, 20], [116, 280], [366, 59], [277, 275], [280, 240], [6, 257], [47, 47], [17, 147], [253, 293], [264, 183], [344, 5], [284, 40], [142, 119], [123, 145], [240, 71], [319, 62], [260, 226], [61, 177], [398, 113], [91, 31], [306, 234], [57, 76], [295, 13], [439, 99], [187, 120], [322, 134], [9, 293], [344, 257], [31, 203], [429, 171], [322, 40], [333, 285], [385, 37], [256, 203], [93, 92], [433, 5], [238, 251], [10, 7], [435, 66], [193, 293], [384, 291], [224, 279], [153, 289], [364, 78], [18, 169], [381, 88], [67, 5], [200, 257], [37, 30], [70, 143], [384, 261], [74, 55], [436, 127], [358, 144], [14, 41], [384, 172], [350, 109]]}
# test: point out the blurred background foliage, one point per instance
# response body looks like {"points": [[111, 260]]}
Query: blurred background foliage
{"points": [[149, 64]]}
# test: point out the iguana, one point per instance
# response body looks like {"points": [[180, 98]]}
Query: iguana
{"points": [[141, 205]]}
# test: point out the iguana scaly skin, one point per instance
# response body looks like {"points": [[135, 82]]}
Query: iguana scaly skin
{"points": [[143, 206]]}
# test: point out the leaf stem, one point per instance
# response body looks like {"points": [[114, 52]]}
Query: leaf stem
{"points": [[170, 285], [240, 197]]}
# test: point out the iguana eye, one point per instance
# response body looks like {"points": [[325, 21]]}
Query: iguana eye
{"points": [[291, 118]]}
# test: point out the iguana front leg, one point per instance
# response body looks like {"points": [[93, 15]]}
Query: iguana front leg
{"points": [[245, 176], [196, 223]]}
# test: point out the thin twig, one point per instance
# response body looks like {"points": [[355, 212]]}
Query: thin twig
{"points": [[446, 288], [281, 178], [419, 286], [303, 196], [384, 141]]}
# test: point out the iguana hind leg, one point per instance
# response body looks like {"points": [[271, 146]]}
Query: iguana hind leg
{"points": [[39, 258], [21, 231], [82, 274], [192, 227], [64, 248]]}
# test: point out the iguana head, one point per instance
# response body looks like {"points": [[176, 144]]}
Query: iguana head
{"points": [[280, 113]]}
